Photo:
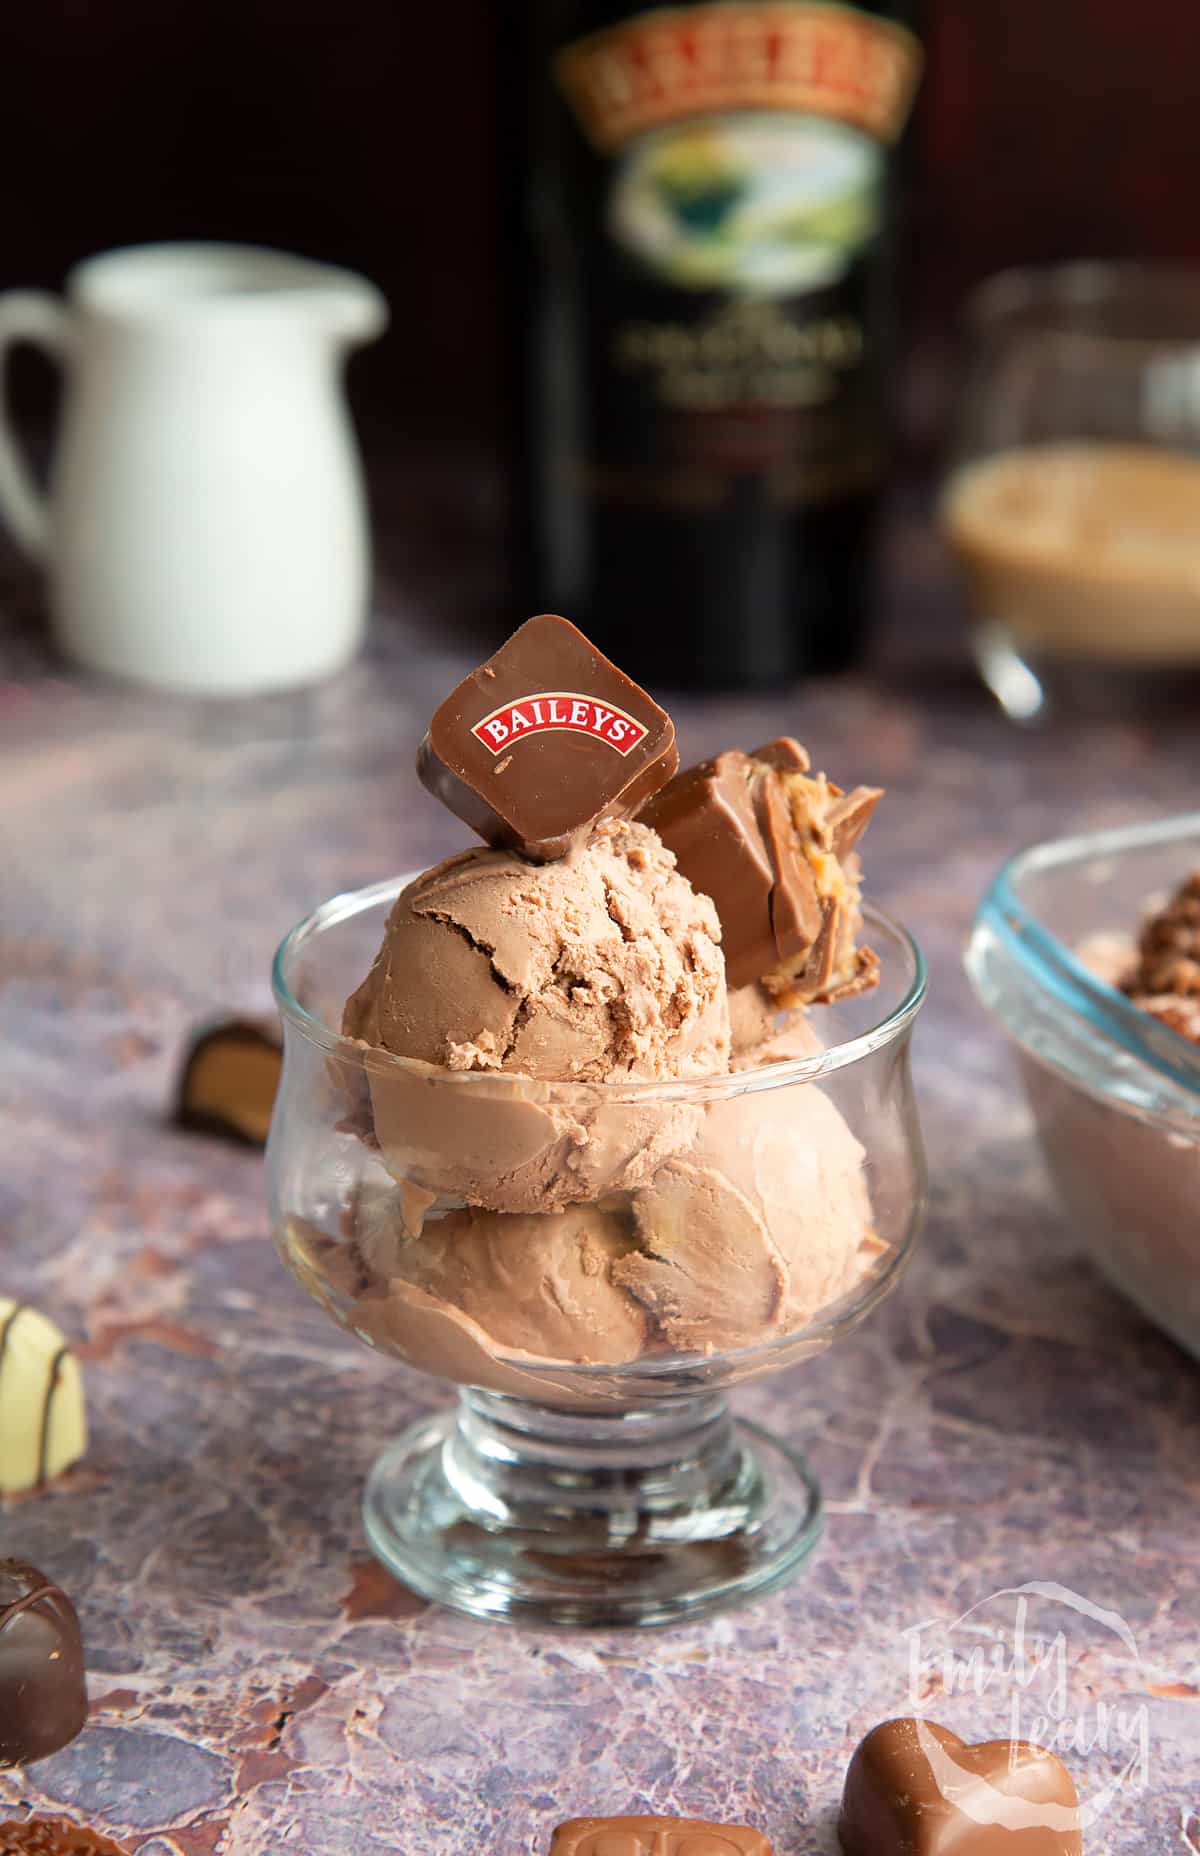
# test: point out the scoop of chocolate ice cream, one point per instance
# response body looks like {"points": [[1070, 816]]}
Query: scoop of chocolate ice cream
{"points": [[757, 1227], [604, 965], [761, 1031], [538, 1285], [515, 995]]}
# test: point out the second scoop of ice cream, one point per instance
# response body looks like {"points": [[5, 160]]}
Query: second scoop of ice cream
{"points": [[742, 1238], [752, 1231]]}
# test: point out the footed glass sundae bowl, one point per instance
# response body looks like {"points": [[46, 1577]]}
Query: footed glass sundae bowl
{"points": [[594, 1265]]}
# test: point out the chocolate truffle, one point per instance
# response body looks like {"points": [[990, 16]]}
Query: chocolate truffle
{"points": [[43, 1698]]}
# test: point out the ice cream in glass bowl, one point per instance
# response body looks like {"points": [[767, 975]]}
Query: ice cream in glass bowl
{"points": [[1087, 951], [594, 1121]]}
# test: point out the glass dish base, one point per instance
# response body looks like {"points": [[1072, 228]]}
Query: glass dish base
{"points": [[507, 1509], [1035, 687]]}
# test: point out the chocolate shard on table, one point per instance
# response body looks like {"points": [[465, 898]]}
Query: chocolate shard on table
{"points": [[656, 1836], [915, 1789], [53, 1836], [43, 1420], [43, 1697], [229, 1078], [543, 740], [774, 846]]}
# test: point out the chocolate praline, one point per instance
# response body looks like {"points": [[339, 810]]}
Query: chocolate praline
{"points": [[43, 1696]]}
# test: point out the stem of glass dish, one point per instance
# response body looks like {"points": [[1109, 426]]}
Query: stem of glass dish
{"points": [[599, 1519], [677, 1463]]}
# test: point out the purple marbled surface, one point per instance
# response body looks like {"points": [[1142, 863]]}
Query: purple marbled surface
{"points": [[257, 1686]]}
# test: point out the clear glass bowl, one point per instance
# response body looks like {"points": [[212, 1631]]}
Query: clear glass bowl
{"points": [[1072, 501], [592, 1473], [1115, 1095]]}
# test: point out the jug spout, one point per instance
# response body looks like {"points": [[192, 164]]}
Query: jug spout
{"points": [[351, 309]]}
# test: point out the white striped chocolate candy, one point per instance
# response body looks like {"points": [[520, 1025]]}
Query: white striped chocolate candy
{"points": [[43, 1422]]}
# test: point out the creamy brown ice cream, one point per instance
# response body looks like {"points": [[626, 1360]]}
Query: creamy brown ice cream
{"points": [[604, 965], [756, 1227], [495, 974], [761, 1031], [761, 1222], [548, 1207], [1132, 1183], [535, 1285], [1132, 1187], [514, 1144], [513, 1000]]}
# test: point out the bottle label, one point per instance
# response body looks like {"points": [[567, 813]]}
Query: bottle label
{"points": [[791, 55], [742, 152]]}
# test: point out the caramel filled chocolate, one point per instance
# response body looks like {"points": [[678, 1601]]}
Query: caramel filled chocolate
{"points": [[43, 1699], [544, 739], [229, 1079], [773, 847], [916, 1789], [656, 1836]]}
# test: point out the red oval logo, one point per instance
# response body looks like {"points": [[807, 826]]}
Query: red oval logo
{"points": [[559, 710]]}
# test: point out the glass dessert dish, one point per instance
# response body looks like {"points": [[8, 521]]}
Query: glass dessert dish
{"points": [[1115, 1094], [697, 1233]]}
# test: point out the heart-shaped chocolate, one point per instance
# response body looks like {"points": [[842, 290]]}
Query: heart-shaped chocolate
{"points": [[43, 1698], [916, 1789]]}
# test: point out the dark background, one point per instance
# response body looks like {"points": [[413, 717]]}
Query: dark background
{"points": [[367, 133]]}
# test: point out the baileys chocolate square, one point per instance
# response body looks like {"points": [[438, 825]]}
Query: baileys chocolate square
{"points": [[543, 740]]}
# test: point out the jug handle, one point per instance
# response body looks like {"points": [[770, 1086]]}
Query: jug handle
{"points": [[27, 316]]}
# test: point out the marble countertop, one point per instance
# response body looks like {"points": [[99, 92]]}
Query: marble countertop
{"points": [[258, 1686]]}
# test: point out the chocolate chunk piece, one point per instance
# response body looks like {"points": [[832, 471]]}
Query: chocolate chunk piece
{"points": [[544, 739], [43, 1422], [707, 817], [656, 1836], [1169, 946], [773, 845], [916, 1789], [43, 1700], [229, 1079], [1165, 978], [53, 1836]]}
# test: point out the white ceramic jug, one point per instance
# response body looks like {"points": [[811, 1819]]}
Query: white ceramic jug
{"points": [[205, 528]]}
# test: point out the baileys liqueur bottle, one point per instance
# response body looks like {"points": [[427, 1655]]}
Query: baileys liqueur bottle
{"points": [[705, 229]]}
